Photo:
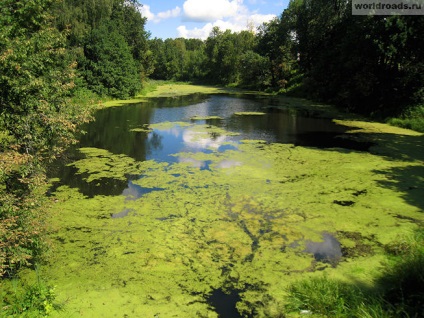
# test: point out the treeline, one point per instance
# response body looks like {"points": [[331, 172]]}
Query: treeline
{"points": [[315, 49]]}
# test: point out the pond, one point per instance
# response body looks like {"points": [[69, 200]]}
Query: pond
{"points": [[209, 205]]}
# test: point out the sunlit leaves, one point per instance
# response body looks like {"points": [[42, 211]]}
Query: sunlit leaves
{"points": [[37, 121]]}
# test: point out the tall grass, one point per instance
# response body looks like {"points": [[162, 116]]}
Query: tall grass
{"points": [[398, 292], [20, 298], [150, 86], [403, 281], [413, 118]]}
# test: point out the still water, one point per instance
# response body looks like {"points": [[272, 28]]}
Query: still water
{"points": [[115, 129], [202, 206], [112, 128]]}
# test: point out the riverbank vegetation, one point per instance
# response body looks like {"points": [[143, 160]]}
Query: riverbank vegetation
{"points": [[57, 60], [60, 58], [397, 291]]}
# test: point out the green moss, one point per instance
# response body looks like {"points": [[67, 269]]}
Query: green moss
{"points": [[243, 228], [205, 117], [168, 125], [249, 114], [142, 130], [100, 164]]}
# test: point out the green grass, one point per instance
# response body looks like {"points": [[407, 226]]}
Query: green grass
{"points": [[150, 86], [403, 279], [413, 119], [19, 298], [398, 292], [323, 296]]}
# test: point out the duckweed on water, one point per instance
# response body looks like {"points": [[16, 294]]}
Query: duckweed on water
{"points": [[247, 228], [249, 113], [100, 164], [205, 117]]}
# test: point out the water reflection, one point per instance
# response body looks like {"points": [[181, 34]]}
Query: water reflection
{"points": [[113, 130], [112, 127], [164, 143], [121, 214], [226, 164], [201, 164], [202, 140], [327, 251], [134, 191]]}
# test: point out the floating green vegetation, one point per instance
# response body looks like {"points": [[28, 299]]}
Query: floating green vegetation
{"points": [[249, 114], [212, 130], [252, 141], [246, 224], [144, 129], [205, 118], [169, 125], [101, 164]]}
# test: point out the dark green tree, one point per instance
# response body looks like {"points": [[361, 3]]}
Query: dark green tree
{"points": [[255, 71], [178, 59], [108, 66], [157, 46], [224, 51]]}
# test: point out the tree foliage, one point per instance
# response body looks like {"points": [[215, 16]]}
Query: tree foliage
{"points": [[109, 32], [316, 48], [108, 66], [178, 59], [363, 63], [37, 120]]}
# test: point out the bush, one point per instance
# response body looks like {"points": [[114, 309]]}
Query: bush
{"points": [[20, 299], [413, 119]]}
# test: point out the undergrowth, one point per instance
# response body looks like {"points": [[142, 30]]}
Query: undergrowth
{"points": [[398, 292], [412, 118], [19, 298]]}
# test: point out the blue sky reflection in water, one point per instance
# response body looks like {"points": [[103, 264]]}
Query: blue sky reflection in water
{"points": [[113, 130]]}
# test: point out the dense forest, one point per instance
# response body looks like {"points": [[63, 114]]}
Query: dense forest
{"points": [[56, 56], [367, 64]]}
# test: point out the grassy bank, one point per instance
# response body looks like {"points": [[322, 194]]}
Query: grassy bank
{"points": [[158, 89], [413, 119], [398, 291]]}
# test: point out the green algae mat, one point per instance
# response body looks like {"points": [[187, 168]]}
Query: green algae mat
{"points": [[237, 225]]}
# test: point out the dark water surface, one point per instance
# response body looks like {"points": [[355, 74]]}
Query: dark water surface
{"points": [[111, 130]]}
